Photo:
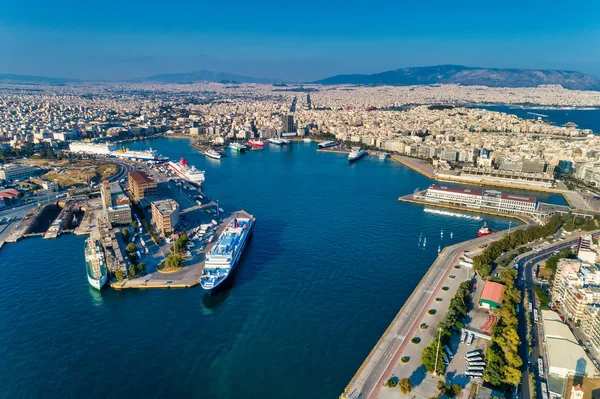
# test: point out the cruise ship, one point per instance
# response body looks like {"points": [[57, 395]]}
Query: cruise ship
{"points": [[212, 154], [356, 153], [187, 172], [237, 147], [223, 257], [327, 144], [95, 263]]}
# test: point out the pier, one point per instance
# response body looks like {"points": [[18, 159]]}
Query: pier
{"points": [[188, 276], [379, 363]]}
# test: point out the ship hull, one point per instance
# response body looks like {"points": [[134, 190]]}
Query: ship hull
{"points": [[212, 155], [479, 234], [97, 284], [357, 157]]}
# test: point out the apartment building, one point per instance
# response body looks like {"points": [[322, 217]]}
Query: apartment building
{"points": [[141, 185], [165, 215]]}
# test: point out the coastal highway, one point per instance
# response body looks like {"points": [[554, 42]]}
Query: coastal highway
{"points": [[527, 282], [378, 365]]}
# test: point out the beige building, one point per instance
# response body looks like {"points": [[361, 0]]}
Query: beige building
{"points": [[115, 203], [141, 185], [590, 325], [15, 171], [165, 215]]}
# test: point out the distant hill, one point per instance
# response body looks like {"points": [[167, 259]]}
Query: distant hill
{"points": [[11, 77], [204, 76], [458, 74]]}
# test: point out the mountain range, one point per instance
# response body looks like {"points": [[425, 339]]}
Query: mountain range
{"points": [[439, 74], [458, 74]]}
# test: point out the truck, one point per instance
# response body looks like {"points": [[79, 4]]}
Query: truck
{"points": [[541, 367]]}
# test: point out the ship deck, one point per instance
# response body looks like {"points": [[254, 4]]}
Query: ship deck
{"points": [[190, 275]]}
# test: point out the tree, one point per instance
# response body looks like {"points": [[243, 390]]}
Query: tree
{"points": [[441, 386], [131, 248], [133, 224], [405, 386], [428, 358], [173, 262], [119, 275], [125, 232], [456, 389], [131, 271], [140, 268]]}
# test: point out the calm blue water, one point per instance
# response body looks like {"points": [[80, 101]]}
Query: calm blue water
{"points": [[584, 118], [333, 257]]}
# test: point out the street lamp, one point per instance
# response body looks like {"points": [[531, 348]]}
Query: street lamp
{"points": [[437, 353]]}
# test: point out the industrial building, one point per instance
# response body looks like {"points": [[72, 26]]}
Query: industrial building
{"points": [[115, 203], [165, 215], [17, 172], [141, 185]]}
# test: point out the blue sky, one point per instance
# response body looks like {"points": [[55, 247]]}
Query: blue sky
{"points": [[294, 40]]}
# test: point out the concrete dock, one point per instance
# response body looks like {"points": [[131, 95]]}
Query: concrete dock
{"points": [[377, 367], [188, 276]]}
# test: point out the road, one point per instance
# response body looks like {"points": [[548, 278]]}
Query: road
{"points": [[527, 282], [382, 359]]}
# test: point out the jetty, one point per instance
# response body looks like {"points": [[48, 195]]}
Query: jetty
{"points": [[387, 352], [188, 276]]}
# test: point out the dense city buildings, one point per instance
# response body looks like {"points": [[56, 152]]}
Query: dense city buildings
{"points": [[141, 186], [165, 215]]}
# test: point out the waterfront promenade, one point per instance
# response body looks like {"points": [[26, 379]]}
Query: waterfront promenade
{"points": [[377, 367]]}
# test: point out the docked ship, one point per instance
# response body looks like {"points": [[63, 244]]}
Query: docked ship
{"points": [[383, 156], [307, 140], [82, 147], [256, 144], [147, 155], [276, 141], [223, 257], [484, 230], [187, 172], [95, 263], [212, 154], [237, 147], [327, 144], [356, 153]]}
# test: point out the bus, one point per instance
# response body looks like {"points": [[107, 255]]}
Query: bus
{"points": [[541, 367], [474, 374], [476, 368], [448, 351], [475, 359], [476, 364], [535, 315], [544, 390], [530, 307]]}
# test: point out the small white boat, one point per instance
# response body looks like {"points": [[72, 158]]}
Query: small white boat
{"points": [[212, 154], [276, 141], [383, 155], [307, 140]]}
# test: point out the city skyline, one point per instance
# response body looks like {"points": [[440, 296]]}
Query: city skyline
{"points": [[293, 43]]}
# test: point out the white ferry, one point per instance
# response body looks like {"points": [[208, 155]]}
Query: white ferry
{"points": [[187, 172], [212, 154], [356, 153]]}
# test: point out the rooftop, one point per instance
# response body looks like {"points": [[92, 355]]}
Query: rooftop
{"points": [[457, 190], [165, 207], [140, 177], [492, 291]]}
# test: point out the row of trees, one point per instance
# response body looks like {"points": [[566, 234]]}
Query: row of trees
{"points": [[459, 307], [483, 263], [503, 361]]}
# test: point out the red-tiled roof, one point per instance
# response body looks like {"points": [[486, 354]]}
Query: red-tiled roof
{"points": [[492, 292], [9, 193], [458, 190]]}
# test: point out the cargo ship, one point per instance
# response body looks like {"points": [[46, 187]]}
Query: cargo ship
{"points": [[187, 172], [356, 153], [95, 263], [223, 257]]}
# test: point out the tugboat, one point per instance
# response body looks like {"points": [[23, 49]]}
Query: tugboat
{"points": [[484, 230]]}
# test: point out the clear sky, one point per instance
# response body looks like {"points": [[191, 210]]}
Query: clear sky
{"points": [[293, 40]]}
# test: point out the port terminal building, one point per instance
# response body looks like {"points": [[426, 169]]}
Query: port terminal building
{"points": [[474, 198], [141, 186], [115, 203]]}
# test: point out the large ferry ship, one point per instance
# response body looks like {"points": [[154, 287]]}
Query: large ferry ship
{"points": [[147, 155], [95, 263], [222, 259], [256, 144], [237, 146], [187, 172], [212, 154], [327, 144], [356, 153], [276, 141], [82, 147]]}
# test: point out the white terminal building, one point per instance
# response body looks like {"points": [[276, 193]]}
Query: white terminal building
{"points": [[481, 199]]}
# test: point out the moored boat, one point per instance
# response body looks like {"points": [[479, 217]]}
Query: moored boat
{"points": [[484, 230], [223, 257], [187, 172], [95, 263], [237, 146], [356, 153], [276, 141], [256, 144], [212, 154], [383, 155]]}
